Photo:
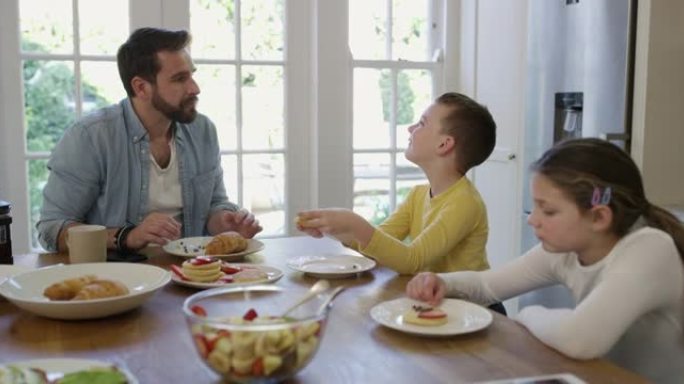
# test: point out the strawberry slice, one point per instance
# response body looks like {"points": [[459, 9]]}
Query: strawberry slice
{"points": [[432, 314], [178, 272], [250, 315], [227, 279], [202, 260], [230, 269], [199, 310]]}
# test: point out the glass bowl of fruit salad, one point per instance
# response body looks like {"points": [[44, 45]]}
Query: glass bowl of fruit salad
{"points": [[240, 334]]}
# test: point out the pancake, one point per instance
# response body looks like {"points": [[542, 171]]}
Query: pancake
{"points": [[425, 316], [202, 269]]}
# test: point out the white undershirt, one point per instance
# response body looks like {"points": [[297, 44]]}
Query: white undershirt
{"points": [[629, 304], [165, 189]]}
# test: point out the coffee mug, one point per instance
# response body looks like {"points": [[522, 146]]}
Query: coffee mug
{"points": [[87, 244]]}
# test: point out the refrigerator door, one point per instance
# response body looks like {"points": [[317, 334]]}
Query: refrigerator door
{"points": [[578, 68]]}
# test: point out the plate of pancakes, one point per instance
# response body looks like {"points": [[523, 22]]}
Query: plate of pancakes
{"points": [[209, 272], [451, 317]]}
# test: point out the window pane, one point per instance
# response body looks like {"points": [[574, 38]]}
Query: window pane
{"points": [[371, 186], [212, 23], [408, 175], [264, 189], [372, 108], [46, 26], [230, 177], [101, 85], [217, 100], [49, 105], [38, 174], [415, 95], [103, 26], [262, 107], [409, 30], [368, 29], [262, 29]]}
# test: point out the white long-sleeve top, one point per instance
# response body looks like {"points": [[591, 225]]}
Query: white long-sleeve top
{"points": [[629, 304]]}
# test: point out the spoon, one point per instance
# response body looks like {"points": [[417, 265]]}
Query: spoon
{"points": [[320, 286], [330, 298]]}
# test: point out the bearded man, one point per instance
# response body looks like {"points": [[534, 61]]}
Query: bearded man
{"points": [[147, 168]]}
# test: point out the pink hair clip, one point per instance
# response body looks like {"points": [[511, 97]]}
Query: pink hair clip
{"points": [[598, 198]]}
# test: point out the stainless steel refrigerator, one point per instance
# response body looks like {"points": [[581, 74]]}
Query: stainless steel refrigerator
{"points": [[579, 66]]}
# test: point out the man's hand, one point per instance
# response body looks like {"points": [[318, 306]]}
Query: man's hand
{"points": [[156, 228], [241, 221]]}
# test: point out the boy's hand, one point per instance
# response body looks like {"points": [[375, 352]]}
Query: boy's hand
{"points": [[428, 287], [342, 224]]}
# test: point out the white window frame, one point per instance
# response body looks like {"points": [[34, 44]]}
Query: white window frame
{"points": [[318, 100]]}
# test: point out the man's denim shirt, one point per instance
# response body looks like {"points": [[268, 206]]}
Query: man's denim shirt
{"points": [[99, 174]]}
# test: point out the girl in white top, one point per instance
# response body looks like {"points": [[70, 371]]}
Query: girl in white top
{"points": [[620, 256]]}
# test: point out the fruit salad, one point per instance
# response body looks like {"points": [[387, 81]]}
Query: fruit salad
{"points": [[259, 353]]}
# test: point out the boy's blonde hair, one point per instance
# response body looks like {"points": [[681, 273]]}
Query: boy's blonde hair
{"points": [[472, 126]]}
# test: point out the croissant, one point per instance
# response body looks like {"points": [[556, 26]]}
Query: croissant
{"points": [[225, 243], [67, 289], [100, 289]]}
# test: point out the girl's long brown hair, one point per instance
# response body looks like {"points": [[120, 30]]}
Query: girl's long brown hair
{"points": [[580, 166]]}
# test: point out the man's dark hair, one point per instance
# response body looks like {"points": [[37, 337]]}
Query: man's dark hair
{"points": [[138, 55], [472, 126]]}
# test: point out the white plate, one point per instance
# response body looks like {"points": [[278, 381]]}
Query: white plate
{"points": [[558, 378], [194, 246], [331, 266], [463, 317], [56, 368], [7, 271], [274, 274], [26, 290]]}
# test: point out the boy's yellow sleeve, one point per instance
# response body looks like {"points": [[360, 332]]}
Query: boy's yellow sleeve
{"points": [[397, 225], [451, 224]]}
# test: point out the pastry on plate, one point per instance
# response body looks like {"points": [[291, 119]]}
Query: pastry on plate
{"points": [[426, 316], [67, 289], [226, 243], [100, 289], [86, 287]]}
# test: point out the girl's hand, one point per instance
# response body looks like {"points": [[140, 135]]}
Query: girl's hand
{"points": [[428, 287]]}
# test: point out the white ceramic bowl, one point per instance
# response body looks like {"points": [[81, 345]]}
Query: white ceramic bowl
{"points": [[26, 290], [7, 271]]}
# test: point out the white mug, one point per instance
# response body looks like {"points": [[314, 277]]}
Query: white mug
{"points": [[87, 244]]}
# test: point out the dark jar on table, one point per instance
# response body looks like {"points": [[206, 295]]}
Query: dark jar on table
{"points": [[5, 237]]}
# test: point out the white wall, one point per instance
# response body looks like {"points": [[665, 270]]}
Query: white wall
{"points": [[493, 50], [658, 121], [499, 56]]}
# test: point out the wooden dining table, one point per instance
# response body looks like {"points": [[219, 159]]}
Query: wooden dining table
{"points": [[154, 344]]}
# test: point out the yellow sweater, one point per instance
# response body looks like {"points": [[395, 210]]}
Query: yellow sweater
{"points": [[448, 232]]}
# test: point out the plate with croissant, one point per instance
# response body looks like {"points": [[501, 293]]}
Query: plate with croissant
{"points": [[230, 246], [84, 291]]}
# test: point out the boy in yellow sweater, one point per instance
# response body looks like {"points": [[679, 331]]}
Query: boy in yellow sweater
{"points": [[445, 220]]}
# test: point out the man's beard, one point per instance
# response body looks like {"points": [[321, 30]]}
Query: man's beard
{"points": [[184, 113]]}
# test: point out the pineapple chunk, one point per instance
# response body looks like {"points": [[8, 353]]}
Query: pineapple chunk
{"points": [[271, 363]]}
